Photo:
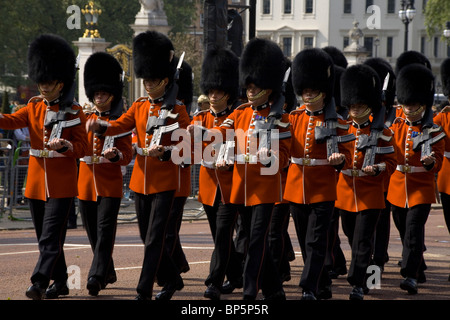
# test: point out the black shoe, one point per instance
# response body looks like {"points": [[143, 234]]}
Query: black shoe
{"points": [[142, 297], [212, 292], [308, 295], [110, 279], [357, 293], [229, 286], [421, 277], [324, 293], [57, 289], [94, 286], [410, 285], [285, 277], [185, 268], [169, 289], [277, 296], [35, 291]]}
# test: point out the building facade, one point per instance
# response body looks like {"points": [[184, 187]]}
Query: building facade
{"points": [[299, 24]]}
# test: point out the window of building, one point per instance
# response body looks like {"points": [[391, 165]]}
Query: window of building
{"points": [[368, 44], [266, 7], [368, 4], [347, 6], [389, 46], [309, 6], [346, 42], [422, 45], [391, 6], [308, 42], [287, 6], [436, 47], [287, 46]]}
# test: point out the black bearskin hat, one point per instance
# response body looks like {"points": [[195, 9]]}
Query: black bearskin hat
{"points": [[262, 63], [338, 71], [102, 72], [338, 57], [445, 77], [313, 69], [289, 94], [360, 84], [220, 70], [51, 58], [185, 84], [153, 56], [415, 84], [383, 68], [410, 57]]}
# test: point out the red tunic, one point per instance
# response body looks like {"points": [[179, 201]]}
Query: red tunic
{"points": [[103, 179], [209, 178], [253, 183], [49, 177], [410, 189], [150, 174], [443, 183], [358, 193], [307, 184]]}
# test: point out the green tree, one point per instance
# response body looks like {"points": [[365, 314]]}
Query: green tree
{"points": [[437, 13], [23, 20], [180, 14]]}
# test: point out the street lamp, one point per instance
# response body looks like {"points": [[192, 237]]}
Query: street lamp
{"points": [[406, 13], [91, 16], [447, 31], [376, 44]]}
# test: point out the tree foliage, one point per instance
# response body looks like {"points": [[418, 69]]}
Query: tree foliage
{"points": [[437, 13]]}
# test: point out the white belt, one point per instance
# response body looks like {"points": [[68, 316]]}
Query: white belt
{"points": [[410, 169], [246, 158], [94, 159], [447, 154], [209, 165], [310, 162], [45, 153], [354, 173], [142, 151]]}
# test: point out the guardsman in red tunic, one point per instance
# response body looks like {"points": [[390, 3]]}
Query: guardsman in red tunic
{"points": [[220, 82], [279, 239], [315, 156], [399, 217], [57, 138], [100, 179], [382, 233], [420, 151], [262, 146], [173, 243], [155, 177], [360, 186], [443, 119]]}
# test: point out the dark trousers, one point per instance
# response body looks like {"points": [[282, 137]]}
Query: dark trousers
{"points": [[412, 223], [260, 271], [382, 234], [173, 242], [224, 259], [153, 215], [445, 199], [50, 223], [100, 221], [359, 227], [335, 259], [279, 239], [312, 222]]}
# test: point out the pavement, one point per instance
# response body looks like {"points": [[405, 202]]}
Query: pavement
{"points": [[18, 255]]}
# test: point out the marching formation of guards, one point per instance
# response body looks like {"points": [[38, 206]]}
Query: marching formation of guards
{"points": [[347, 153]]}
